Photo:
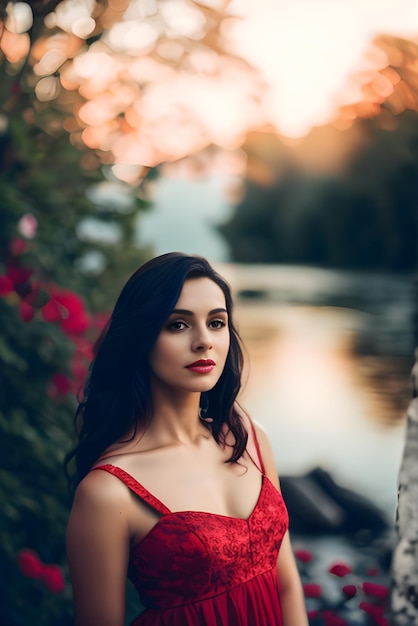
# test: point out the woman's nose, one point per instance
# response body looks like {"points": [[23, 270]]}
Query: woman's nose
{"points": [[202, 340]]}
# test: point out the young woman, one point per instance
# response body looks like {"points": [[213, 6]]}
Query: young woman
{"points": [[175, 486]]}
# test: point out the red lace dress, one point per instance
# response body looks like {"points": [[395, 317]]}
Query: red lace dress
{"points": [[204, 569]]}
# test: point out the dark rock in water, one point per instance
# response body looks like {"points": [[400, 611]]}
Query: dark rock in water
{"points": [[318, 505]]}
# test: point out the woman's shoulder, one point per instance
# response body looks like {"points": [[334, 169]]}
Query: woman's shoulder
{"points": [[99, 490]]}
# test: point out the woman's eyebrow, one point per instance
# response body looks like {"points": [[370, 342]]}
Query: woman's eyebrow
{"points": [[186, 312]]}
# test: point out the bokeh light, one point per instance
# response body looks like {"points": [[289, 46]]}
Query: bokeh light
{"points": [[156, 82]]}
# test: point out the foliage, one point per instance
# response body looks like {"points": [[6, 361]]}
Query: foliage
{"points": [[58, 280]]}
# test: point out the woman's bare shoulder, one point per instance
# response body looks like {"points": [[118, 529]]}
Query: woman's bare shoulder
{"points": [[100, 490]]}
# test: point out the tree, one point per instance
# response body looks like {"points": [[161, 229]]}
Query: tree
{"points": [[363, 218]]}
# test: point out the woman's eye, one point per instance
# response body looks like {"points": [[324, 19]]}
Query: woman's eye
{"points": [[217, 324], [177, 325]]}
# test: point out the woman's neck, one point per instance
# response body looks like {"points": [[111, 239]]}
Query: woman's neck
{"points": [[176, 419]]}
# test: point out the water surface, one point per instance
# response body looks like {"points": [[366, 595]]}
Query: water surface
{"points": [[329, 356]]}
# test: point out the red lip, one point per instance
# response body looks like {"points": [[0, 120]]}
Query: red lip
{"points": [[202, 363]]}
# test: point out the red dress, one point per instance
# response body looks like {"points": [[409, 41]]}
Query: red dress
{"points": [[204, 569]]}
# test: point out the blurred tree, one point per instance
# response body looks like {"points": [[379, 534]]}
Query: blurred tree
{"points": [[365, 218]]}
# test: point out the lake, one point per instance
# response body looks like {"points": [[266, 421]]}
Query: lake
{"points": [[328, 361]]}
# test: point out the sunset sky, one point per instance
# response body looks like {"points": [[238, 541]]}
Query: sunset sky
{"points": [[310, 53], [307, 51], [157, 88]]}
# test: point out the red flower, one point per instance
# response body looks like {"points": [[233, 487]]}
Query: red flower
{"points": [[375, 590], [349, 591], [70, 303], [75, 324], [340, 570], [19, 275], [312, 614], [311, 590], [304, 556], [18, 245], [62, 383], [67, 308], [371, 609], [333, 620], [6, 285], [29, 563], [26, 311], [53, 579], [51, 311]]}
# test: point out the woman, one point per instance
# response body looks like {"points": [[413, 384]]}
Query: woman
{"points": [[176, 487]]}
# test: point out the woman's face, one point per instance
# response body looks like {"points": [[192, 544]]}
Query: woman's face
{"points": [[192, 347]]}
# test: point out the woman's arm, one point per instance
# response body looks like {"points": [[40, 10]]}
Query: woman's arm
{"points": [[291, 592], [98, 550]]}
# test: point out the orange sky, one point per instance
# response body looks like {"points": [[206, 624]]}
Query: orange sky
{"points": [[153, 90], [307, 51]]}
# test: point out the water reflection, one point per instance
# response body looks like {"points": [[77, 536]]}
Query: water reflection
{"points": [[328, 371]]}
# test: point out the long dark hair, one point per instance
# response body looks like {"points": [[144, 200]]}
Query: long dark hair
{"points": [[117, 394]]}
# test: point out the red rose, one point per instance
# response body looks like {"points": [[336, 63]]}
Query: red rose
{"points": [[29, 563], [19, 275], [50, 311], [6, 285], [18, 245], [349, 591], [62, 383], [70, 303], [375, 590], [333, 620], [304, 556], [311, 590], [75, 324], [371, 609], [26, 311], [53, 579], [340, 570], [67, 308]]}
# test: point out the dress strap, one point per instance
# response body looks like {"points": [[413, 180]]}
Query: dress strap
{"points": [[257, 447], [253, 447], [135, 486]]}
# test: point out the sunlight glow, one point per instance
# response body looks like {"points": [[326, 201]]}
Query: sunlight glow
{"points": [[182, 19], [133, 37], [306, 51], [20, 18], [47, 88], [74, 13], [166, 80], [15, 46]]}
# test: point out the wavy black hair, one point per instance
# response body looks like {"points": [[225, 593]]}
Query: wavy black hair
{"points": [[117, 396]]}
